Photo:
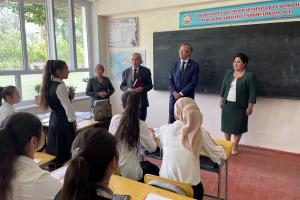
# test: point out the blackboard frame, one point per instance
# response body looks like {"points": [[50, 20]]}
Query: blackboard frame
{"points": [[273, 49]]}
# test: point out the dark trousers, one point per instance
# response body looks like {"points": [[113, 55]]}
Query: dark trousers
{"points": [[148, 168], [143, 113], [198, 191], [171, 109]]}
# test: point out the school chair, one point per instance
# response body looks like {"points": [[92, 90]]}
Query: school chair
{"points": [[208, 165], [170, 185]]}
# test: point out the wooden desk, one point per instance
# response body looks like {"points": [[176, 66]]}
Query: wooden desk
{"points": [[43, 158], [81, 123], [122, 185], [137, 190]]}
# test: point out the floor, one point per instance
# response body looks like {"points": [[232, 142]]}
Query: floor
{"points": [[258, 174]]}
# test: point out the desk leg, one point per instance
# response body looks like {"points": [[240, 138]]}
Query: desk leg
{"points": [[226, 179]]}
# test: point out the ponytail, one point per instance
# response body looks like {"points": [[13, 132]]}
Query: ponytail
{"points": [[128, 131], [50, 70], [45, 85], [78, 183], [8, 157]]}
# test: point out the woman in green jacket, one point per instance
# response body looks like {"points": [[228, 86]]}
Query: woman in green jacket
{"points": [[238, 95]]}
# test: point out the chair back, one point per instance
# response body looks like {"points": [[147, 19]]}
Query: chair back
{"points": [[170, 185]]}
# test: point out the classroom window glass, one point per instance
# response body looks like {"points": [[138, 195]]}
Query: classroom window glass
{"points": [[28, 83], [76, 79], [36, 33], [7, 80], [10, 36], [62, 30], [29, 30], [81, 35]]}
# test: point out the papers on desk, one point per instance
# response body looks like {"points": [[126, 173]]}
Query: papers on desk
{"points": [[152, 196], [60, 173], [84, 115], [37, 160]]}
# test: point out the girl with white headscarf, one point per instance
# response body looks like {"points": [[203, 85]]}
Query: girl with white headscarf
{"points": [[182, 143]]}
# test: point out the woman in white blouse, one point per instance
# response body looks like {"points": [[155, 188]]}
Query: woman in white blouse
{"points": [[132, 134], [186, 137], [21, 179]]}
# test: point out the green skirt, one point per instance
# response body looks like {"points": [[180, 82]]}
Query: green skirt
{"points": [[234, 118]]}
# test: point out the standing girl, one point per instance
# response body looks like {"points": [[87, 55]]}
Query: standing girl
{"points": [[20, 137], [11, 96], [62, 124]]}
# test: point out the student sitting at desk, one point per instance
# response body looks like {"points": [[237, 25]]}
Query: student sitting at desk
{"points": [[94, 160], [132, 134], [20, 177], [186, 137], [11, 96]]}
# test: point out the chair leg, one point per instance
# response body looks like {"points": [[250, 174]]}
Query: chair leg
{"points": [[226, 179], [219, 182]]}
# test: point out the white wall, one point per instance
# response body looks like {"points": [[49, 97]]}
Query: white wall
{"points": [[275, 122]]}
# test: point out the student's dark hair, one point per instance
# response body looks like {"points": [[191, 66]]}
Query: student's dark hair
{"points": [[187, 44], [51, 68], [15, 133], [128, 131], [92, 152], [6, 92], [243, 57]]}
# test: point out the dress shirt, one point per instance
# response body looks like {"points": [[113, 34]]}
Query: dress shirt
{"points": [[186, 62], [232, 91], [5, 110], [129, 160], [137, 71], [33, 183], [186, 167], [63, 96]]}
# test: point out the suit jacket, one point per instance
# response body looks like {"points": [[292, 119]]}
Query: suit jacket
{"points": [[185, 83], [144, 76], [246, 91]]}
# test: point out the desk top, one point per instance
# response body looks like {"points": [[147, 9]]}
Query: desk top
{"points": [[43, 158], [138, 191], [122, 185], [82, 123]]}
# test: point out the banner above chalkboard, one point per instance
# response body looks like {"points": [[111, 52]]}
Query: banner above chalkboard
{"points": [[269, 10]]}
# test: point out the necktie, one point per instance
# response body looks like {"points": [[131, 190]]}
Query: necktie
{"points": [[182, 67], [135, 75]]}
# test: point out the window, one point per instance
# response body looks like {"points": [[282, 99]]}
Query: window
{"points": [[31, 33], [36, 35], [62, 32], [81, 35], [10, 36]]}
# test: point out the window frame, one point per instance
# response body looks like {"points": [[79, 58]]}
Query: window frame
{"points": [[51, 41]]}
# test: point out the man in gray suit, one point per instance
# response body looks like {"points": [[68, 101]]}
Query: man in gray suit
{"points": [[138, 78]]}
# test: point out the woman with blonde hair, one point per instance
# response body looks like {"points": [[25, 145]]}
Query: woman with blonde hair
{"points": [[186, 137]]}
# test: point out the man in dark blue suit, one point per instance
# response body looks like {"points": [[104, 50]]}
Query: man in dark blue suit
{"points": [[138, 78], [183, 78]]}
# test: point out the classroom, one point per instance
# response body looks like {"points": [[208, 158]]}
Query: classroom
{"points": [[271, 147]]}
